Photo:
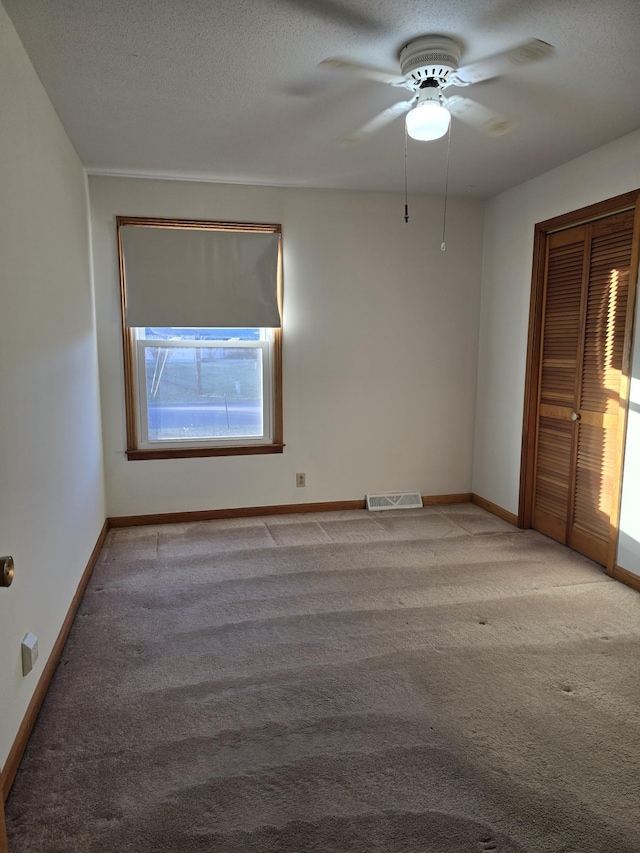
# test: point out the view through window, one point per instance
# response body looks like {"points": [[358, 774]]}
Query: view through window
{"points": [[208, 385]]}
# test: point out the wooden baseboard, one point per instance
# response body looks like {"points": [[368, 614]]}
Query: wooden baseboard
{"points": [[4, 848], [250, 511], [504, 514], [434, 500], [19, 745], [626, 577], [237, 512]]}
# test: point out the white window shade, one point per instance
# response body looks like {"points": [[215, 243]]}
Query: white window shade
{"points": [[185, 277]]}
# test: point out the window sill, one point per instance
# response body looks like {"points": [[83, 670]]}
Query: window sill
{"points": [[194, 452]]}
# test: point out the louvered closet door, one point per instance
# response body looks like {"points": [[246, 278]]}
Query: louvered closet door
{"points": [[605, 312], [584, 315]]}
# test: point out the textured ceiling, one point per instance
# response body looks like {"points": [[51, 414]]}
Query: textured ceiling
{"points": [[229, 90]]}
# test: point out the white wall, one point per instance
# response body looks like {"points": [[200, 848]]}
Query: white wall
{"points": [[51, 480], [506, 285], [380, 346]]}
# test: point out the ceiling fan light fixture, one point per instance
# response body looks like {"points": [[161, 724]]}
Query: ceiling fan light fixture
{"points": [[428, 120]]}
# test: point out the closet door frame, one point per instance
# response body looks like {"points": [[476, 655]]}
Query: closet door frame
{"points": [[618, 204]]}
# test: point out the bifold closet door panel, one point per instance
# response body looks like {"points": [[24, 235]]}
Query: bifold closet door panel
{"points": [[597, 451], [566, 268]]}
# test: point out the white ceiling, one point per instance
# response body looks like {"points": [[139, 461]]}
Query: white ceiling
{"points": [[229, 90]]}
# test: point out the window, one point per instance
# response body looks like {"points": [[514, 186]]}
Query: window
{"points": [[196, 390]]}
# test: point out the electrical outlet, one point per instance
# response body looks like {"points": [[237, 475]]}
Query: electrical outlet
{"points": [[29, 653], [301, 480]]}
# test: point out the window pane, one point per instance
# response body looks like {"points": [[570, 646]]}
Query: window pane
{"points": [[193, 334], [203, 392]]}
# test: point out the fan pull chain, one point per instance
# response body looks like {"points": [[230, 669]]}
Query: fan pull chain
{"points": [[406, 192], [446, 191]]}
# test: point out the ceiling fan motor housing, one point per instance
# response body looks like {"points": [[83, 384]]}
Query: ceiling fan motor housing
{"points": [[430, 58]]}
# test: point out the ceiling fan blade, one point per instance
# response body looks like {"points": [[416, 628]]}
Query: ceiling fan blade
{"points": [[378, 122], [481, 117], [501, 63], [335, 11], [364, 71]]}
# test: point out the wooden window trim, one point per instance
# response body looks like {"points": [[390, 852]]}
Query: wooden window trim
{"points": [[617, 204], [133, 451]]}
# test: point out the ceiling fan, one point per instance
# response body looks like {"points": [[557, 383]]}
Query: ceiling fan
{"points": [[428, 66]]}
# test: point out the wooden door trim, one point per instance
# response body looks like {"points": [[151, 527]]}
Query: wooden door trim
{"points": [[608, 207], [584, 215], [532, 378]]}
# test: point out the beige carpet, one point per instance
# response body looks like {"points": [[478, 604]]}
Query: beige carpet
{"points": [[424, 681]]}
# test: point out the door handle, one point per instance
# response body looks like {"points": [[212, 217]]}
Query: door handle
{"points": [[6, 571], [575, 416]]}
